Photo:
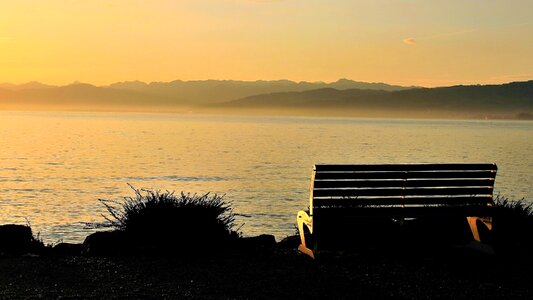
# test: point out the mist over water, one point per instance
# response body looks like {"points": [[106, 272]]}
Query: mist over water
{"points": [[54, 166]]}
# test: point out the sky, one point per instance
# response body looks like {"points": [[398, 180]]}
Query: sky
{"points": [[410, 42]]}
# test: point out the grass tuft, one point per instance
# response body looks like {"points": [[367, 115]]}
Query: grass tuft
{"points": [[164, 219], [519, 208], [512, 226]]}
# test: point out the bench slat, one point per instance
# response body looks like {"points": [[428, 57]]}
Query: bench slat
{"points": [[370, 201], [403, 183], [400, 192], [335, 213], [403, 175], [407, 167]]}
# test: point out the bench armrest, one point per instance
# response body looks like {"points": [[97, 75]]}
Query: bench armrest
{"points": [[304, 219]]}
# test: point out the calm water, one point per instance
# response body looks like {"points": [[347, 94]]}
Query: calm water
{"points": [[55, 166]]}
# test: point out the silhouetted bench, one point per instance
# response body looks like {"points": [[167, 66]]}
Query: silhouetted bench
{"points": [[343, 195]]}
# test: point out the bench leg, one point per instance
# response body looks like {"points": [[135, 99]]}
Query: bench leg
{"points": [[480, 235], [472, 221], [304, 219]]}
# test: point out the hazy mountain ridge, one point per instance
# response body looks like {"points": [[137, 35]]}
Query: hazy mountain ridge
{"points": [[25, 86], [318, 97], [163, 94], [84, 97], [218, 91], [515, 97], [281, 96]]}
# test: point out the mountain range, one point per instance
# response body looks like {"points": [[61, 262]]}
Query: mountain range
{"points": [[460, 101], [169, 93], [343, 97]]}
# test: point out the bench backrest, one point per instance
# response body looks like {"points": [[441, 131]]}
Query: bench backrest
{"points": [[401, 186]]}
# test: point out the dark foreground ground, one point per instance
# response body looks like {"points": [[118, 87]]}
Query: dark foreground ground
{"points": [[275, 274]]}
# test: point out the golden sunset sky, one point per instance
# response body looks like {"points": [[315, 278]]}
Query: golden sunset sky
{"points": [[411, 42]]}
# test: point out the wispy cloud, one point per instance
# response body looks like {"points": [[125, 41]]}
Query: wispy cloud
{"points": [[413, 41], [409, 41]]}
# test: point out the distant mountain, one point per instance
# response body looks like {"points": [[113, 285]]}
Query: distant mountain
{"points": [[511, 98], [345, 84], [217, 91], [278, 97], [77, 96], [25, 86], [161, 95]]}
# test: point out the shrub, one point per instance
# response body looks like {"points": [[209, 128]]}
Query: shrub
{"points": [[153, 219], [519, 208], [512, 225]]}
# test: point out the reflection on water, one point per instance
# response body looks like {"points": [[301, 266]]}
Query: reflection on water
{"points": [[54, 166]]}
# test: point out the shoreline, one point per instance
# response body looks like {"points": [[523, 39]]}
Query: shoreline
{"points": [[290, 113]]}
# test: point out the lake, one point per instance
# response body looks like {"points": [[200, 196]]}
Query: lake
{"points": [[54, 166]]}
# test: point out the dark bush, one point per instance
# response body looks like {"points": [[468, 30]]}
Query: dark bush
{"points": [[518, 208], [512, 225], [163, 220]]}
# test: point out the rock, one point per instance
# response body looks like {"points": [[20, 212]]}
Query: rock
{"points": [[67, 249], [16, 239], [105, 243], [263, 241], [290, 242]]}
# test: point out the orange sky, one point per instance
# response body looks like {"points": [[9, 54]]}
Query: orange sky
{"points": [[415, 42]]}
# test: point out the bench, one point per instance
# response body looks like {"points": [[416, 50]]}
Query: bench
{"points": [[343, 195]]}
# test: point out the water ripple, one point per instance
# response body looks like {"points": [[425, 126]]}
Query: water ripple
{"points": [[174, 178]]}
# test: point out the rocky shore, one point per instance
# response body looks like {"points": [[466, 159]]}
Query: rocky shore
{"points": [[262, 269]]}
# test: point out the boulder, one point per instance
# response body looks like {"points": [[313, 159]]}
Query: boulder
{"points": [[16, 239], [290, 242], [263, 241], [67, 249], [105, 243]]}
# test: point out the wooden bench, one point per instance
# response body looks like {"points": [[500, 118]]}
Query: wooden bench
{"points": [[342, 194]]}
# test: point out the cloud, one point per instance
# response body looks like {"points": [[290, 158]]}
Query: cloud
{"points": [[412, 41], [447, 34], [409, 41]]}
